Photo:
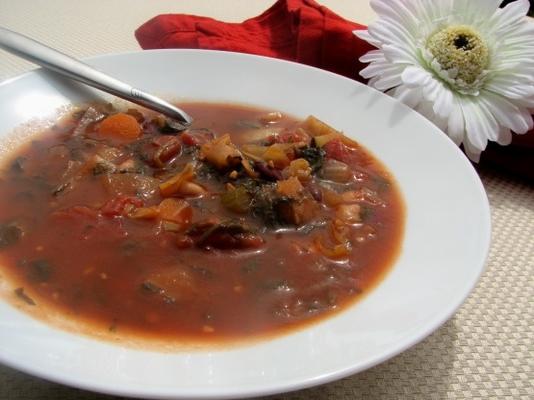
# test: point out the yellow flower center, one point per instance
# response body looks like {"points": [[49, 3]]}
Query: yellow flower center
{"points": [[460, 48]]}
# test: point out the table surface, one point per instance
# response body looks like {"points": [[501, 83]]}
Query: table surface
{"points": [[485, 351]]}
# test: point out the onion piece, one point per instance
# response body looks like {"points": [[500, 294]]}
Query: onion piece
{"points": [[336, 252], [336, 171], [172, 185], [348, 213]]}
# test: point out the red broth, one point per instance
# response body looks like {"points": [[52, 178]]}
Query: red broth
{"points": [[278, 225]]}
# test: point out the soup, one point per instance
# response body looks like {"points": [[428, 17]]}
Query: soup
{"points": [[250, 223]]}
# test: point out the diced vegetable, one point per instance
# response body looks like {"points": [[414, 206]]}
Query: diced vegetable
{"points": [[298, 136], [299, 168], [336, 171], [348, 213], [316, 127], [172, 185], [145, 213], [290, 187], [297, 213], [280, 154], [168, 226], [120, 205], [221, 152], [237, 200], [121, 125], [190, 189], [175, 210], [277, 154], [338, 150], [314, 156], [263, 205], [320, 141], [339, 231], [331, 198], [335, 252]]}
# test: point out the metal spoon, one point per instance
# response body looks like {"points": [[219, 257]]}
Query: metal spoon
{"points": [[47, 57]]}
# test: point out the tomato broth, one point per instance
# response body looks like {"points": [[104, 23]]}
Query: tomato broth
{"points": [[251, 222]]}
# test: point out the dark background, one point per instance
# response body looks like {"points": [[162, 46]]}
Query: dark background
{"points": [[531, 12]]}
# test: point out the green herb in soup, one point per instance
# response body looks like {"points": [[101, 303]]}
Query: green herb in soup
{"points": [[249, 223]]}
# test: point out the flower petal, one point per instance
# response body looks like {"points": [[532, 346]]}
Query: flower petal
{"points": [[507, 86], [474, 125], [425, 109], [414, 76], [373, 69], [373, 55], [388, 81], [455, 124], [473, 11], [387, 33], [397, 54], [471, 151], [364, 35], [443, 103], [506, 19], [396, 10], [507, 113], [505, 136], [408, 96]]}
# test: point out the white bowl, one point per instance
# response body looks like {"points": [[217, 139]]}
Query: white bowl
{"points": [[445, 245]]}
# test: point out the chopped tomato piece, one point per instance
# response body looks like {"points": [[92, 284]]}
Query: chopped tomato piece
{"points": [[338, 151], [120, 205], [293, 136]]}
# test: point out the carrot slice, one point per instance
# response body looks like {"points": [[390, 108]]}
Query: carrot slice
{"points": [[120, 125]]}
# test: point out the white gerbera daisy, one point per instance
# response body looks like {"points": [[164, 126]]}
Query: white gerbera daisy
{"points": [[467, 65]]}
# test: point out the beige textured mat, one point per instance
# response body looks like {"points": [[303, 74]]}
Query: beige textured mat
{"points": [[486, 351]]}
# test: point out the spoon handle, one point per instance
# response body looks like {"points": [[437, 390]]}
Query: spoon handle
{"points": [[49, 58]]}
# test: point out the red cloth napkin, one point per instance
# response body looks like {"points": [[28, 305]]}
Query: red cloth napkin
{"points": [[296, 30]]}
